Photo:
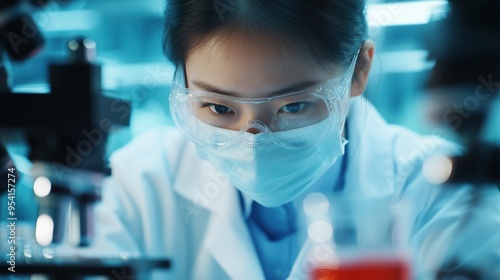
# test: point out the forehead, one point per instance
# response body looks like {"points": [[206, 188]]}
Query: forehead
{"points": [[251, 64]]}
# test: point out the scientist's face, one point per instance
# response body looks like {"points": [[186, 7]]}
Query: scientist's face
{"points": [[257, 66]]}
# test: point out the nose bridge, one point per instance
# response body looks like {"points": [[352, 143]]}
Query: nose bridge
{"points": [[253, 130], [255, 119]]}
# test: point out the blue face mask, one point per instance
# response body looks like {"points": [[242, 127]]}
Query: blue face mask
{"points": [[270, 174]]}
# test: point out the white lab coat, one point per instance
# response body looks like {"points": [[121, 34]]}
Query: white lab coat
{"points": [[163, 201]]}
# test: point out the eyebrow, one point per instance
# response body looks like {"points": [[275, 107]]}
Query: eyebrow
{"points": [[292, 88]]}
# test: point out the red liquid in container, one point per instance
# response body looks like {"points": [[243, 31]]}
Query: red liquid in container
{"points": [[364, 270]]}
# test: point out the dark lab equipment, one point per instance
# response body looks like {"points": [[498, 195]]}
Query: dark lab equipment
{"points": [[467, 77], [20, 36], [5, 163], [66, 131], [467, 74], [76, 269]]}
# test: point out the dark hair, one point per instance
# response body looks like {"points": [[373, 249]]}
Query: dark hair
{"points": [[331, 30]]}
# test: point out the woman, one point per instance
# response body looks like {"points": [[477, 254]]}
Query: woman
{"points": [[267, 97]]}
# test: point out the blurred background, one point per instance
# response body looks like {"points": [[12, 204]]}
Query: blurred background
{"points": [[128, 34]]}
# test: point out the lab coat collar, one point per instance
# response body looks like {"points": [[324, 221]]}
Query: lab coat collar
{"points": [[368, 144], [233, 249], [199, 182], [227, 239], [247, 205]]}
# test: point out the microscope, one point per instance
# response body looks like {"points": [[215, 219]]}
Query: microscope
{"points": [[465, 85], [466, 77], [66, 132]]}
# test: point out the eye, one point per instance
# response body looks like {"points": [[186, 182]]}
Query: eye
{"points": [[293, 108], [217, 108]]}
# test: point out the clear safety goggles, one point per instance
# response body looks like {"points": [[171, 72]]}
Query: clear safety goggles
{"points": [[291, 120]]}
